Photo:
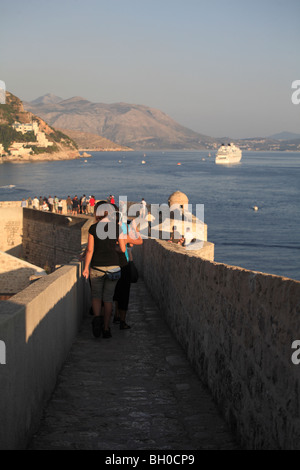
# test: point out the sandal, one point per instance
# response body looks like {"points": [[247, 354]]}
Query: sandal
{"points": [[107, 333], [124, 326]]}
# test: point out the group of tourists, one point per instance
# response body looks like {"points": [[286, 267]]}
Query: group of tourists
{"points": [[71, 205], [51, 204], [74, 205], [83, 205]]}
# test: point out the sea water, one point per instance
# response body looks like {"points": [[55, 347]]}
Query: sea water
{"points": [[265, 240]]}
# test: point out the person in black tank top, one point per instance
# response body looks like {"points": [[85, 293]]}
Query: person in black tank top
{"points": [[104, 244]]}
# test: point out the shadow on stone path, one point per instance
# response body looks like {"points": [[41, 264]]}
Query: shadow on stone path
{"points": [[135, 390]]}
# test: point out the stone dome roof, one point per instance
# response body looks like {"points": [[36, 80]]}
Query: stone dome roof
{"points": [[178, 198]]}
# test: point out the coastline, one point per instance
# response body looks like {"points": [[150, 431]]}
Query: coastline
{"points": [[43, 157], [105, 150], [73, 155]]}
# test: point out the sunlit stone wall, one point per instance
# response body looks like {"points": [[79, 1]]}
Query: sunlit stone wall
{"points": [[237, 328]]}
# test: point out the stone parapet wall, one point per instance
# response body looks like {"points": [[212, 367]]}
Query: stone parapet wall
{"points": [[11, 229], [18, 204], [16, 274], [4, 204], [37, 328], [237, 328], [51, 239]]}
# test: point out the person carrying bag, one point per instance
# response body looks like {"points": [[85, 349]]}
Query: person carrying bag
{"points": [[102, 264]]}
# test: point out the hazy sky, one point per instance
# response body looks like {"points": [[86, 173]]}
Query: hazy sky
{"points": [[219, 67]]}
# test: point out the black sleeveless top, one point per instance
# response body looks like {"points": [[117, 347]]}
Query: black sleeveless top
{"points": [[105, 236]]}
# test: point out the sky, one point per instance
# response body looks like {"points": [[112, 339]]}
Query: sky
{"points": [[218, 67]]}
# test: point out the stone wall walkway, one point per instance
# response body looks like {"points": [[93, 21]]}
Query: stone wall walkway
{"points": [[135, 390]]}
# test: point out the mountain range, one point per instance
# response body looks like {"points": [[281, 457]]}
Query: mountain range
{"points": [[138, 126], [285, 136]]}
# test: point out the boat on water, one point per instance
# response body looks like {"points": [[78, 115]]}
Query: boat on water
{"points": [[228, 154]]}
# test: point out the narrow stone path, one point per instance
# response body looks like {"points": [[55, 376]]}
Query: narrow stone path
{"points": [[135, 390]]}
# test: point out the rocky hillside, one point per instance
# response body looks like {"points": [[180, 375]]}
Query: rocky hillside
{"points": [[57, 144], [88, 141], [135, 126]]}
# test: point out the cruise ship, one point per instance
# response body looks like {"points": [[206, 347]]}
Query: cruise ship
{"points": [[228, 154]]}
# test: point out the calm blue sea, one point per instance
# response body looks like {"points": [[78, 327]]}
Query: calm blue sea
{"points": [[266, 240]]}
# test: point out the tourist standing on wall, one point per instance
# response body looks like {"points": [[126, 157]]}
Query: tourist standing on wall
{"points": [[35, 203], [143, 208], [69, 205], [75, 204], [91, 204], [101, 256], [83, 204], [56, 204], [50, 203], [60, 206]]}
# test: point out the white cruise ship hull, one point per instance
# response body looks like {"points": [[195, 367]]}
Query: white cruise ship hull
{"points": [[227, 159], [228, 155]]}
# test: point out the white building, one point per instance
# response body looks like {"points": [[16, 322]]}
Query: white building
{"points": [[42, 140], [17, 149], [29, 127]]}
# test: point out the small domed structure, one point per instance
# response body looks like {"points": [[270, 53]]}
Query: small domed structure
{"points": [[178, 198]]}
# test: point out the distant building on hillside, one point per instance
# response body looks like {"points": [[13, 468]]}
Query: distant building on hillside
{"points": [[17, 149], [41, 138], [24, 128]]}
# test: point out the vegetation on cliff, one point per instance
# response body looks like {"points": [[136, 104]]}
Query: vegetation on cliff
{"points": [[13, 111], [8, 135]]}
